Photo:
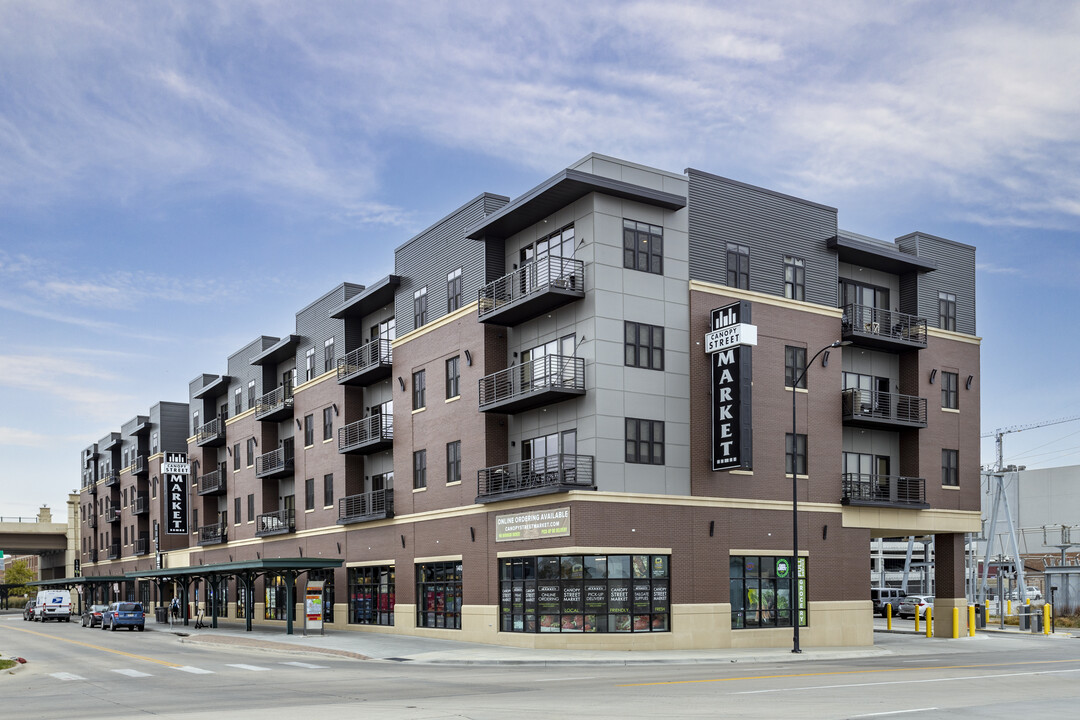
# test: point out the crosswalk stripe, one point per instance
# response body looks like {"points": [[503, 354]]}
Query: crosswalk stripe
{"points": [[194, 670], [305, 665], [254, 668], [131, 673], [66, 676]]}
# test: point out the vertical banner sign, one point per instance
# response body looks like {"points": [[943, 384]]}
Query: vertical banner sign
{"points": [[728, 345], [800, 593], [313, 605], [175, 471]]}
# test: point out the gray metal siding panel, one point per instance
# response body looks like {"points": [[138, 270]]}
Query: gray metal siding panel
{"points": [[241, 371], [909, 293], [771, 225], [955, 274], [172, 425], [315, 326]]}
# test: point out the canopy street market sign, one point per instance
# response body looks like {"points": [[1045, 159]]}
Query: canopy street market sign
{"points": [[728, 343]]}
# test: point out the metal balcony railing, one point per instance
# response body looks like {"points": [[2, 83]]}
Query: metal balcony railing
{"points": [[92, 556], [111, 477], [367, 363], [871, 408], [114, 551], [91, 521], [276, 523], [142, 504], [213, 534], [868, 489], [276, 463], [211, 433], [142, 546], [373, 505], [375, 432], [536, 288], [553, 473], [214, 482], [276, 404], [543, 381], [140, 465], [112, 514], [876, 326]]}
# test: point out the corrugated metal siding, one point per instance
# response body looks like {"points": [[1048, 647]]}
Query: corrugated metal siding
{"points": [[172, 424], [427, 258], [909, 293], [771, 225], [241, 371], [955, 274], [315, 326]]}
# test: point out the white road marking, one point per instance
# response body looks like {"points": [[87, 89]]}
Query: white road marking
{"points": [[66, 676], [896, 712], [590, 677], [254, 668], [131, 673], [194, 670], [305, 665], [910, 682]]}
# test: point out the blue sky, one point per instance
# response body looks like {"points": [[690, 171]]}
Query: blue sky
{"points": [[165, 165]]}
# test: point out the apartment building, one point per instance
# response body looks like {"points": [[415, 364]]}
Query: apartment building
{"points": [[566, 421]]}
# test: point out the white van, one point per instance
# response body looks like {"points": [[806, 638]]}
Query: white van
{"points": [[53, 605]]}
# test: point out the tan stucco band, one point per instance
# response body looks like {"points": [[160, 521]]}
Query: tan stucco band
{"points": [[913, 522]]}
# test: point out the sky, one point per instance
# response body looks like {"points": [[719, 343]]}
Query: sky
{"points": [[166, 165]]}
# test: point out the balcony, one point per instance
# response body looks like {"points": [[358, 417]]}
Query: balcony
{"points": [[544, 381], [211, 434], [111, 478], [114, 551], [884, 491], [535, 289], [276, 463], [871, 409], [142, 504], [214, 534], [139, 465], [276, 523], [112, 514], [275, 405], [142, 546], [213, 483], [374, 505], [539, 476], [373, 433], [883, 329], [91, 521], [370, 362], [91, 556], [92, 488]]}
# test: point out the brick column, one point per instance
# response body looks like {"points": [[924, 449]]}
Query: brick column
{"points": [[949, 584]]}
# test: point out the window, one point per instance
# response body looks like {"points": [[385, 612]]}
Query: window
{"points": [[950, 390], [453, 377], [950, 468], [329, 362], [238, 401], [585, 593], [794, 366], [643, 247], [153, 443], [241, 601], [794, 278], [250, 451], [453, 290], [194, 421], [236, 456], [453, 462], [644, 345], [328, 423], [385, 330], [251, 508], [419, 469], [419, 303], [419, 390], [371, 595], [438, 595], [799, 457], [645, 441], [309, 494], [309, 364], [153, 488], [195, 520], [277, 599], [309, 430], [738, 266], [946, 311], [328, 490], [236, 511], [251, 394], [126, 536], [765, 589]]}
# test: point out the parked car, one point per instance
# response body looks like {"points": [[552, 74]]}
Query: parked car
{"points": [[53, 605], [120, 614], [1032, 593], [29, 609], [915, 604], [92, 615], [883, 597]]}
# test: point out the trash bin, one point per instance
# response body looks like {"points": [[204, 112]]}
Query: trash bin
{"points": [[161, 614], [1036, 622], [980, 616]]}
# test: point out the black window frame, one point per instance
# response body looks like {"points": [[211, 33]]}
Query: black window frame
{"points": [[950, 467], [328, 489], [801, 453], [251, 394], [238, 401], [419, 393], [794, 365], [309, 364], [950, 390], [643, 345], [309, 430], [439, 594], [453, 462], [419, 469], [453, 377], [372, 595], [738, 256], [309, 494], [641, 441], [250, 451], [236, 456], [763, 587], [453, 290], [947, 311], [251, 507], [329, 361], [237, 517], [643, 247], [794, 277], [328, 423], [420, 307]]}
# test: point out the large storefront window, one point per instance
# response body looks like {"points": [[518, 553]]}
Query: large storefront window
{"points": [[219, 596], [585, 593], [241, 600], [438, 595], [328, 591], [371, 595], [764, 591], [277, 599]]}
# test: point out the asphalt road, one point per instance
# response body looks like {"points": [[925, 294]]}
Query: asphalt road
{"points": [[76, 672]]}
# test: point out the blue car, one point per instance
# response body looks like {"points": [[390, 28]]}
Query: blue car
{"points": [[121, 614]]}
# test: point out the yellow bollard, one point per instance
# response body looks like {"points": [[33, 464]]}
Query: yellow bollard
{"points": [[1046, 619], [916, 618], [955, 623], [971, 621], [1008, 606], [929, 621], [888, 616]]}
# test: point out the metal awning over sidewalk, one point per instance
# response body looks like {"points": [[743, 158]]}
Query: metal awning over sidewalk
{"points": [[92, 583]]}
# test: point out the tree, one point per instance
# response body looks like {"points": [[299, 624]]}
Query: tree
{"points": [[17, 575]]}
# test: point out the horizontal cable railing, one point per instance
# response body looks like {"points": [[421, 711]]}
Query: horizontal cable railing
{"points": [[213, 481], [142, 546], [139, 465], [212, 533], [563, 273], [277, 399], [112, 514], [274, 461], [374, 428], [884, 406], [885, 489], [114, 551], [551, 372], [142, 504], [549, 471], [884, 323], [212, 430], [279, 521], [374, 504], [370, 354], [111, 477]]}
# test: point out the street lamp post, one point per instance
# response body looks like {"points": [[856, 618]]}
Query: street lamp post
{"points": [[795, 492]]}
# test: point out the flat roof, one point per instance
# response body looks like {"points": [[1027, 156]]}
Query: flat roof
{"points": [[81, 580], [371, 299], [282, 349], [878, 255], [239, 566], [212, 388]]}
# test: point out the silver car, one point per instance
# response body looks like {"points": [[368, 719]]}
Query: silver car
{"points": [[915, 605]]}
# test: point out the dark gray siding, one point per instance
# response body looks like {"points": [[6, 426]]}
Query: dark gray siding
{"points": [[771, 224], [241, 372], [171, 424], [203, 407], [426, 259], [315, 326], [955, 274], [909, 293]]}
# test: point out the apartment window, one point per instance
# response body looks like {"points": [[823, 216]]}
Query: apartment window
{"points": [[236, 456], [328, 423], [251, 394], [419, 302], [250, 451], [309, 364], [419, 390], [194, 421], [153, 488], [453, 377], [438, 595], [371, 595], [643, 247], [453, 290], [123, 498], [419, 469], [238, 401], [153, 443], [309, 494], [950, 468], [799, 457], [950, 390], [125, 536], [794, 366], [309, 430], [195, 520], [251, 507], [644, 441], [794, 278], [453, 462], [946, 311], [765, 589], [738, 266], [236, 511], [644, 345], [328, 490], [329, 362]]}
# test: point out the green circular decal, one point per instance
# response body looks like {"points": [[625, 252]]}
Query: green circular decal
{"points": [[782, 567]]}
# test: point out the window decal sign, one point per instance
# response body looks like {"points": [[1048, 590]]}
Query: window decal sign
{"points": [[175, 470], [533, 525], [729, 346]]}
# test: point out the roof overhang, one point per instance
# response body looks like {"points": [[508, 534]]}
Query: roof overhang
{"points": [[281, 350], [83, 580], [878, 256], [213, 388], [111, 444], [371, 299], [142, 427], [559, 191], [298, 564]]}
